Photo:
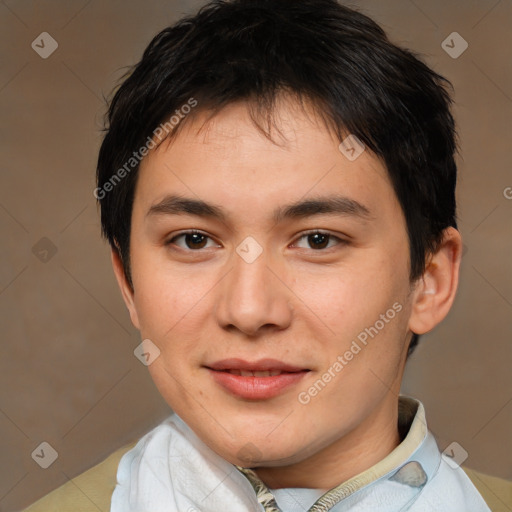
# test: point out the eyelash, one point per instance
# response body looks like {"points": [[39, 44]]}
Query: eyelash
{"points": [[339, 241]]}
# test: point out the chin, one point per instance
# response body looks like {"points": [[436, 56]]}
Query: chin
{"points": [[258, 453]]}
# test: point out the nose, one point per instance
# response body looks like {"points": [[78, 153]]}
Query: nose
{"points": [[254, 297]]}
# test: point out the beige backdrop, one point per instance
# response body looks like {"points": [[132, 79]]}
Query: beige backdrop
{"points": [[68, 375]]}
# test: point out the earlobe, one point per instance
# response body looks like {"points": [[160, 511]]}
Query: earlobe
{"points": [[436, 289], [126, 290]]}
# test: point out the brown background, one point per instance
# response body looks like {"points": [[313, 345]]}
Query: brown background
{"points": [[68, 375]]}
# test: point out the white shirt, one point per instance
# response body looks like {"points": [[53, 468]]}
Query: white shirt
{"points": [[172, 470]]}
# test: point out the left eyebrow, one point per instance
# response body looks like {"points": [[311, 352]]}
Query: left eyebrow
{"points": [[339, 205]]}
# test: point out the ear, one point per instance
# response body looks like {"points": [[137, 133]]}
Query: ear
{"points": [[435, 291], [124, 286]]}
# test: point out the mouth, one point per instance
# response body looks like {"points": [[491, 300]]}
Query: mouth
{"points": [[256, 380], [245, 373]]}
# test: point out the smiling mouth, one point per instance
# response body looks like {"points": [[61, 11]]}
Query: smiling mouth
{"points": [[257, 380], [260, 368], [247, 373]]}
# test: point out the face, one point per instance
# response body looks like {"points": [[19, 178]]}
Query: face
{"points": [[273, 278]]}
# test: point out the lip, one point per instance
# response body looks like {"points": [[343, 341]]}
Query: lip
{"points": [[254, 366], [255, 388]]}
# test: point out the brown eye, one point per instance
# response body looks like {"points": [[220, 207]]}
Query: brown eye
{"points": [[195, 240], [318, 240], [192, 240]]}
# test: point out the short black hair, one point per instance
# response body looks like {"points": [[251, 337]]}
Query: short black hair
{"points": [[334, 57]]}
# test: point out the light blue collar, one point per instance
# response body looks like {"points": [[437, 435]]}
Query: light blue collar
{"points": [[397, 479]]}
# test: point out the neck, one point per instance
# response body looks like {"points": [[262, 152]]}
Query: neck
{"points": [[359, 450]]}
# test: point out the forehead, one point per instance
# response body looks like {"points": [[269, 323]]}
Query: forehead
{"points": [[230, 160]]}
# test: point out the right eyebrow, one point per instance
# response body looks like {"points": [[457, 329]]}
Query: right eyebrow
{"points": [[175, 205]]}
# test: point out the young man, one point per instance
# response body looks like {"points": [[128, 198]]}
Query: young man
{"points": [[277, 183]]}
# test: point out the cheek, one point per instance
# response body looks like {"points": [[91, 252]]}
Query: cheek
{"points": [[166, 307], [359, 303], [165, 294], [345, 300], [174, 309]]}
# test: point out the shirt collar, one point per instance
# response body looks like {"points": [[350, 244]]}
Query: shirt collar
{"points": [[413, 462]]}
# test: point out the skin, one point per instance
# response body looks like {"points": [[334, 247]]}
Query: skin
{"points": [[294, 303]]}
